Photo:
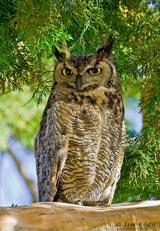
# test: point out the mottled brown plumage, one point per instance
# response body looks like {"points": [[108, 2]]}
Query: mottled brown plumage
{"points": [[80, 143]]}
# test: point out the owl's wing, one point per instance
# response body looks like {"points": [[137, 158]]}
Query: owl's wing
{"points": [[49, 152]]}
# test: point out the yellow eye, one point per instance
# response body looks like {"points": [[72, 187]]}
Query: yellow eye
{"points": [[67, 72], [95, 71]]}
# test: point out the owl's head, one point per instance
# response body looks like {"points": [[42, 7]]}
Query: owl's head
{"points": [[83, 73]]}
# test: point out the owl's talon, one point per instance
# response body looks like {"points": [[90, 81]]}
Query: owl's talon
{"points": [[14, 205], [80, 203]]}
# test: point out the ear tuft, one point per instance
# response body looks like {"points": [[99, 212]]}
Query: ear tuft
{"points": [[106, 48], [58, 54]]}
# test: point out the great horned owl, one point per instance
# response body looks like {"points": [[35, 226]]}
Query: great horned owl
{"points": [[80, 144]]}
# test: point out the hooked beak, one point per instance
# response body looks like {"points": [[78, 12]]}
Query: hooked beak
{"points": [[79, 82]]}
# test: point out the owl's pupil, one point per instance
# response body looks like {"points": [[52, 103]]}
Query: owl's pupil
{"points": [[68, 72], [94, 70]]}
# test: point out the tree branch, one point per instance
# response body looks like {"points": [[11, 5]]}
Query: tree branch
{"points": [[57, 216]]}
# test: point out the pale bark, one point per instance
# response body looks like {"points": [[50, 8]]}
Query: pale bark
{"points": [[66, 217]]}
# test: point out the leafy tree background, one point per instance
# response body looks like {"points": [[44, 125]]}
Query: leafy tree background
{"points": [[29, 29]]}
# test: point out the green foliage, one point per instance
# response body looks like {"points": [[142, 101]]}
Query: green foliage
{"points": [[20, 118], [140, 178], [29, 29]]}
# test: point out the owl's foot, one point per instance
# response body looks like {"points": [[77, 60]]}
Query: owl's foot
{"points": [[14, 205], [90, 203], [76, 202], [80, 203], [103, 204], [96, 203]]}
